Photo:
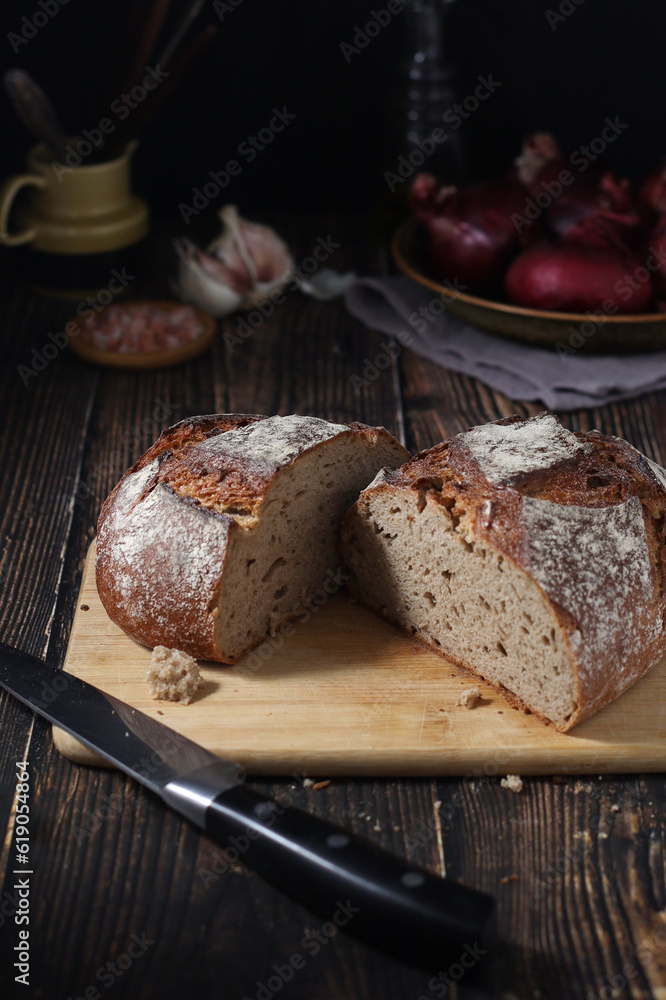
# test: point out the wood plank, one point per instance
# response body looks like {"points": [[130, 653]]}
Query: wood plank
{"points": [[41, 449]]}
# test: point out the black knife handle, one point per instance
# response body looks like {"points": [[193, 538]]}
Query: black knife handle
{"points": [[351, 883]]}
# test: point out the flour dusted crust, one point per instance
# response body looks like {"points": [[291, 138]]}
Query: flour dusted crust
{"points": [[159, 556], [595, 564], [580, 514], [208, 486], [530, 446]]}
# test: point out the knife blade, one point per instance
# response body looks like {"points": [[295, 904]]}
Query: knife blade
{"points": [[388, 903]]}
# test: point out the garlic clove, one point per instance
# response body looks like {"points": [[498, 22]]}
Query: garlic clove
{"points": [[233, 273], [202, 285], [241, 268], [258, 247]]}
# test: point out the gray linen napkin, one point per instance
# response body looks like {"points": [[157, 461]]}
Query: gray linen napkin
{"points": [[521, 372]]}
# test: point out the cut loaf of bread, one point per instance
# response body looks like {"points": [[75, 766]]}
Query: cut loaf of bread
{"points": [[224, 528], [529, 555]]}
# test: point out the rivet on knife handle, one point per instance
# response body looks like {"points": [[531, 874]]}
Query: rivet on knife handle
{"points": [[382, 899]]}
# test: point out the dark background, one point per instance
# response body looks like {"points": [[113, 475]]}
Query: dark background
{"points": [[605, 59]]}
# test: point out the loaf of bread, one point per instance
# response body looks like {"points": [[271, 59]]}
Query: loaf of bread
{"points": [[529, 555], [222, 530]]}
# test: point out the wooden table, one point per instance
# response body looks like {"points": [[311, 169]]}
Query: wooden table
{"points": [[577, 865]]}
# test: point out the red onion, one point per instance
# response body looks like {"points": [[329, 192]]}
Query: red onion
{"points": [[594, 196], [576, 278], [652, 194], [470, 232], [656, 257], [603, 229], [540, 167]]}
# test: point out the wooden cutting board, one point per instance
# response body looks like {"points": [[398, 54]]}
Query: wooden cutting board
{"points": [[347, 694]]}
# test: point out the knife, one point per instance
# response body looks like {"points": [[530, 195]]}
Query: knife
{"points": [[388, 903]]}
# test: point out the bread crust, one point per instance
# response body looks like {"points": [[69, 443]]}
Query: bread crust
{"points": [[592, 486], [165, 531]]}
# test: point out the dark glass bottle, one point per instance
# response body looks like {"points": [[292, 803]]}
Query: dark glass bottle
{"points": [[419, 136]]}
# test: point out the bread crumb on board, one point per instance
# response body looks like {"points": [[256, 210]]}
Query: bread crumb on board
{"points": [[470, 697], [513, 782], [173, 675]]}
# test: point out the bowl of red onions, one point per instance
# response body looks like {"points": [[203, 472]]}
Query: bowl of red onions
{"points": [[551, 254]]}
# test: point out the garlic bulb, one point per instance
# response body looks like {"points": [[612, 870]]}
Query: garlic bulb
{"points": [[244, 266]]}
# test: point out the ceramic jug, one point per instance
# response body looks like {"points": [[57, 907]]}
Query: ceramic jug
{"points": [[77, 223]]}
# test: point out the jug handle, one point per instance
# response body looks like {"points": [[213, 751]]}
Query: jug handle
{"points": [[8, 192]]}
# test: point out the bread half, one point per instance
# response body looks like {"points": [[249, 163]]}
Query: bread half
{"points": [[223, 529], [529, 555]]}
